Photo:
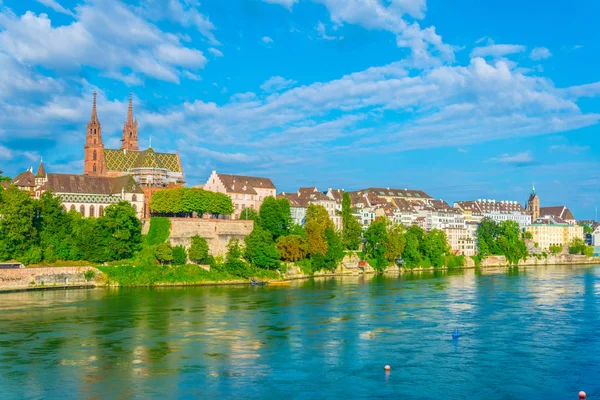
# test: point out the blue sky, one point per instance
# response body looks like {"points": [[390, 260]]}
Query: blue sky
{"points": [[462, 99]]}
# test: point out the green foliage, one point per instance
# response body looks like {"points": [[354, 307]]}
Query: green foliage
{"points": [[17, 231], [577, 246], [198, 251], [588, 251], [317, 221], [555, 250], [396, 242], [4, 178], [160, 229], [234, 265], [292, 247], [504, 239], [351, 229], [149, 275], [434, 247], [487, 237], [453, 261], [335, 251], [527, 235], [89, 274], [33, 255], [120, 231], [163, 253], [179, 255], [376, 243], [510, 243], [249, 214], [275, 216], [190, 200], [412, 250], [260, 249], [298, 230]]}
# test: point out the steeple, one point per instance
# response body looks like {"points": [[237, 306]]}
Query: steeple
{"points": [[41, 173], [93, 157], [130, 132], [533, 188]]}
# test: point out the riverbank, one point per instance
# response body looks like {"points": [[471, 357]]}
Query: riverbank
{"points": [[49, 278]]}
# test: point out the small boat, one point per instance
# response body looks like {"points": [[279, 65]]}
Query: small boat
{"points": [[279, 283], [254, 282]]}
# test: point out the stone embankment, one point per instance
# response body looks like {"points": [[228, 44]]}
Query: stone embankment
{"points": [[47, 277], [561, 259]]}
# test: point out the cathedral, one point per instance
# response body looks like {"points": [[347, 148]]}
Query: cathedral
{"points": [[109, 176], [147, 167]]}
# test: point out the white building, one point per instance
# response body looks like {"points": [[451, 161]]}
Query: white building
{"points": [[300, 200], [497, 210]]}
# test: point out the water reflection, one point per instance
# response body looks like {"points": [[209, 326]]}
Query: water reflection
{"points": [[324, 338]]}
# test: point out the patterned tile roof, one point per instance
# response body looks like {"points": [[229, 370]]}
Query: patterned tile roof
{"points": [[120, 160]]}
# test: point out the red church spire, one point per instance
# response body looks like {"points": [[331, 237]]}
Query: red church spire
{"points": [[130, 131]]}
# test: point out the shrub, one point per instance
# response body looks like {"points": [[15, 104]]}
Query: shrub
{"points": [[198, 251], [555, 250], [179, 255], [89, 274], [453, 261], [163, 253], [292, 247]]}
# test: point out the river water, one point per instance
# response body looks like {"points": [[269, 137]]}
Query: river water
{"points": [[524, 334]]}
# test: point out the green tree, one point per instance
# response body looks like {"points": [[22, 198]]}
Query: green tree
{"points": [[163, 253], [179, 255], [487, 236], [588, 251], [55, 228], [396, 242], [249, 214], [198, 251], [335, 251], [4, 178], [527, 235], [260, 249], [297, 229], [122, 229], [555, 250], [17, 232], [275, 216], [159, 231], [351, 229], [234, 265], [317, 221], [577, 246], [435, 247], [292, 247], [510, 243], [412, 250], [376, 243]]}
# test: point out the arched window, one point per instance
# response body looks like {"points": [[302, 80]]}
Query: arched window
{"points": [[82, 210], [94, 141], [92, 211], [130, 134], [134, 198], [64, 208], [135, 207], [72, 207], [94, 156], [94, 131], [94, 168], [101, 211]]}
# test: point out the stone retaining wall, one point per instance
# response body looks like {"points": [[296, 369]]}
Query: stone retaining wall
{"points": [[561, 259], [217, 232], [12, 279]]}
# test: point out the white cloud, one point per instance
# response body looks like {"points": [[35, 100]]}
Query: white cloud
{"points": [[53, 4], [5, 153], [267, 40], [106, 35], [588, 90], [215, 52], [322, 32], [276, 83], [386, 15], [497, 50], [519, 159], [540, 53], [571, 149], [184, 13]]}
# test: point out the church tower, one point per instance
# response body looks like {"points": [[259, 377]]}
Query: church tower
{"points": [[533, 205], [93, 158], [130, 130]]}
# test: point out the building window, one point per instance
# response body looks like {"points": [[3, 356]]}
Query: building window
{"points": [[82, 210], [236, 206], [94, 168], [101, 211], [135, 207], [134, 198], [94, 156], [72, 207], [92, 211]]}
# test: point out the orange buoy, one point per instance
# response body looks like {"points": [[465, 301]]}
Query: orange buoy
{"points": [[387, 368], [582, 395]]}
